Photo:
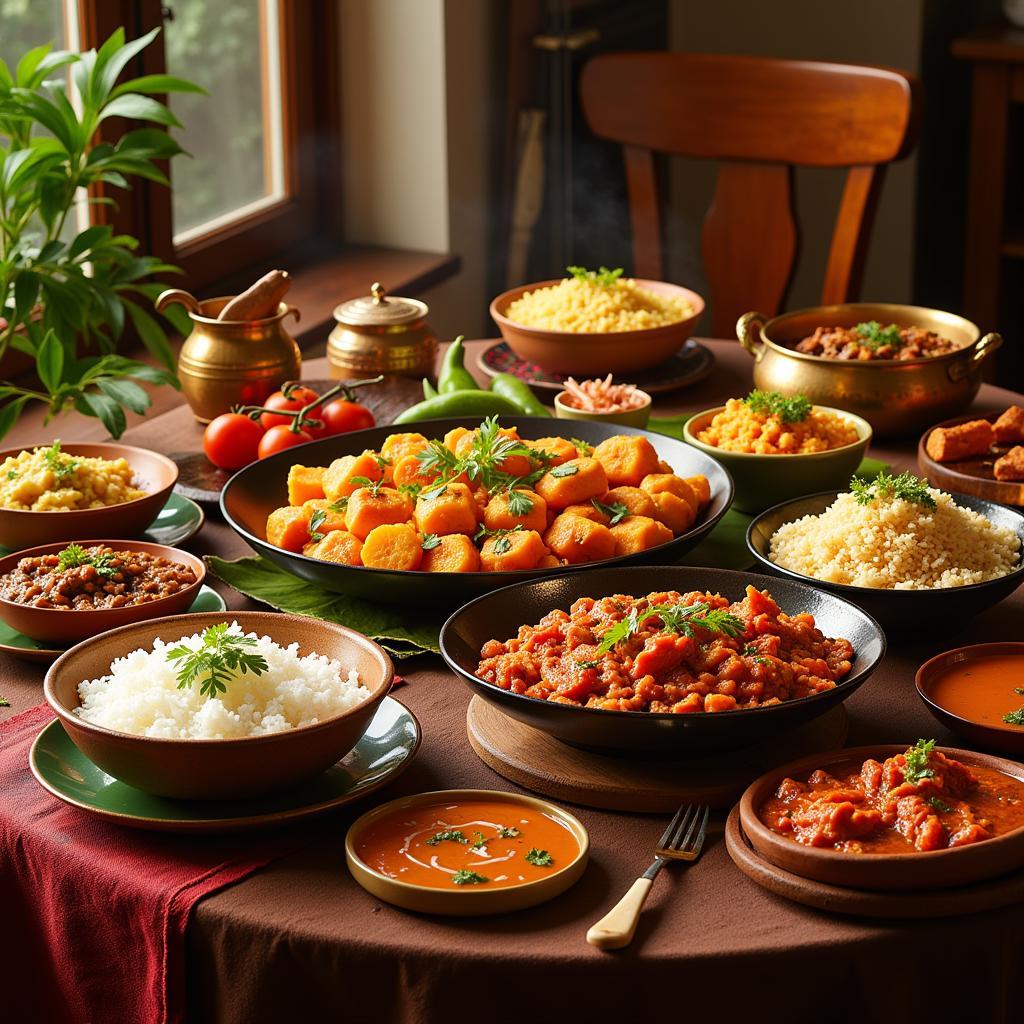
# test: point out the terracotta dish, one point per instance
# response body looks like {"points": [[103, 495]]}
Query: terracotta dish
{"points": [[934, 869], [155, 474], [594, 355], [986, 698], [218, 769], [65, 627]]}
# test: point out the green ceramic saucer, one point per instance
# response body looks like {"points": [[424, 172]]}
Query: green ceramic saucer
{"points": [[386, 749], [21, 646]]}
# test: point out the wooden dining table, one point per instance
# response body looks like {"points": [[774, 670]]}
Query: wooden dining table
{"points": [[300, 940]]}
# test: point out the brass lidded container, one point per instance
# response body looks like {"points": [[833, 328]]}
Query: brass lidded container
{"points": [[381, 333], [232, 362]]}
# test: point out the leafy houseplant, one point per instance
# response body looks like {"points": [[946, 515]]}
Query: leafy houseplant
{"points": [[64, 296]]}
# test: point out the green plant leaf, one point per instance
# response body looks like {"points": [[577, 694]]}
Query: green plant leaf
{"points": [[151, 333], [126, 393], [26, 290], [105, 409], [50, 362], [112, 58], [139, 108], [158, 84], [10, 412], [49, 116]]}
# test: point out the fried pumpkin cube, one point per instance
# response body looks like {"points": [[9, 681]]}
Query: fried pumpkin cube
{"points": [[701, 487], [408, 472], [964, 441], [521, 549], [636, 500], [339, 476], [451, 509], [305, 483], [579, 540], [393, 546], [587, 510], [288, 528], [338, 546], [454, 552], [1009, 428], [330, 515], [397, 446], [638, 533], [1011, 465], [675, 512], [523, 508], [572, 483], [559, 449], [369, 508], [627, 459], [655, 483]]}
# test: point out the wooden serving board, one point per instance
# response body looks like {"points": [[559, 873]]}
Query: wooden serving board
{"points": [[534, 760], [971, 476], [968, 899]]}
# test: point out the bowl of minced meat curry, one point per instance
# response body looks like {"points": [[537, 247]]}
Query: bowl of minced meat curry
{"points": [[63, 492], [777, 447], [890, 817]]}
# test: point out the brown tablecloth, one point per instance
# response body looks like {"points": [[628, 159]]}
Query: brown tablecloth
{"points": [[301, 941]]}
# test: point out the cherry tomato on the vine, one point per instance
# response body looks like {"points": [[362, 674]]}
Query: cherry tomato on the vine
{"points": [[298, 399], [280, 438], [232, 440], [340, 416]]}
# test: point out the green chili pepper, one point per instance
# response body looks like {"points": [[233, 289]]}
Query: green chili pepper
{"points": [[454, 376], [460, 403], [429, 391], [517, 391]]}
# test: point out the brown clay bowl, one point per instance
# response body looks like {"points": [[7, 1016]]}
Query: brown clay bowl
{"points": [[590, 355], [1007, 739], [64, 627], [938, 869], [201, 769], [155, 474]]}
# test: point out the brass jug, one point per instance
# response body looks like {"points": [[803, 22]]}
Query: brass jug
{"points": [[232, 362], [381, 333]]}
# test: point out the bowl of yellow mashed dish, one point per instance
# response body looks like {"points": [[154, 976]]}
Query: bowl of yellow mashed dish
{"points": [[64, 492]]}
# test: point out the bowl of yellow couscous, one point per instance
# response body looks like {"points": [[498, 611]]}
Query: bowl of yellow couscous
{"points": [[596, 322], [64, 492]]}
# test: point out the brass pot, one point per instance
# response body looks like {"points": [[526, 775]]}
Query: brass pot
{"points": [[896, 398], [379, 333], [232, 362]]}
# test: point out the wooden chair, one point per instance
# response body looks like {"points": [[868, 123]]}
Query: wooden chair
{"points": [[759, 117]]}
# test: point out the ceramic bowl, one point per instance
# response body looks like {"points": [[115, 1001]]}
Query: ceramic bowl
{"points": [[764, 480], [66, 627], [218, 769], [1007, 739], [895, 609], [254, 492], [155, 474], [500, 614], [637, 417], [468, 900], [594, 355], [935, 869]]}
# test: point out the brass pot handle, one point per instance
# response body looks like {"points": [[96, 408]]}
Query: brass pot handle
{"points": [[985, 346], [293, 311], [187, 299], [748, 329]]}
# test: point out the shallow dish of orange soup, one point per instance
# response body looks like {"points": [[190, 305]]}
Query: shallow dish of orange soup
{"points": [[436, 852]]}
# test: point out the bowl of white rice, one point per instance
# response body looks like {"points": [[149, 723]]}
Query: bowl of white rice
{"points": [[911, 565], [217, 706]]}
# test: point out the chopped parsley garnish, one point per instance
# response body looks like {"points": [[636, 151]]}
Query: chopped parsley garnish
{"points": [[874, 336], [585, 448], [603, 277], [341, 505], [373, 486], [451, 835], [12, 474], [564, 470], [772, 403], [316, 520], [541, 858], [430, 541], [413, 490], [1014, 717], [750, 651], [61, 465], [467, 877], [1019, 690], [615, 512], [589, 664], [916, 769], [939, 805], [675, 618], [479, 841], [501, 545], [4, 702], [906, 486], [74, 556], [519, 504], [220, 657], [507, 832]]}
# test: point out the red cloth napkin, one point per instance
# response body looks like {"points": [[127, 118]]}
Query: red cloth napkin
{"points": [[93, 916]]}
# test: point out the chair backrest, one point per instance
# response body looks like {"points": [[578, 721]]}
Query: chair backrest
{"points": [[759, 117]]}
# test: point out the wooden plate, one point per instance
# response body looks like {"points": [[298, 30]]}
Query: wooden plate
{"points": [[971, 476], [531, 758], [970, 899], [693, 362]]}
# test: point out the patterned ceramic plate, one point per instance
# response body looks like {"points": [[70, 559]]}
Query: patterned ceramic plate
{"points": [[693, 362], [386, 749]]}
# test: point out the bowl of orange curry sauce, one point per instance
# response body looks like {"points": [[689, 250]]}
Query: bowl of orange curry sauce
{"points": [[466, 851], [890, 817], [978, 692]]}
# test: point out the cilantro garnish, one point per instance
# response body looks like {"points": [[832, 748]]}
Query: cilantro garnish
{"points": [[675, 618], [12, 474], [221, 656], [1014, 717], [507, 832], [519, 504], [316, 520], [479, 841], [772, 403], [466, 877], [451, 835], [430, 541], [602, 277], [564, 470], [917, 756], [905, 486], [541, 858], [74, 556], [61, 465], [615, 512], [874, 336], [4, 702], [373, 486], [939, 805]]}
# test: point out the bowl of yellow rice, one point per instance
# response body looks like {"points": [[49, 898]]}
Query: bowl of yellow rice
{"points": [[597, 322]]}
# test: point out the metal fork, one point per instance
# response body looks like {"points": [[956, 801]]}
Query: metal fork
{"points": [[682, 840]]}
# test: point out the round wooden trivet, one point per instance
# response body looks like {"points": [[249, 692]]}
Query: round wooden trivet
{"points": [[968, 899], [532, 759]]}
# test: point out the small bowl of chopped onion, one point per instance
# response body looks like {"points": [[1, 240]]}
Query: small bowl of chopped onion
{"points": [[603, 402]]}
